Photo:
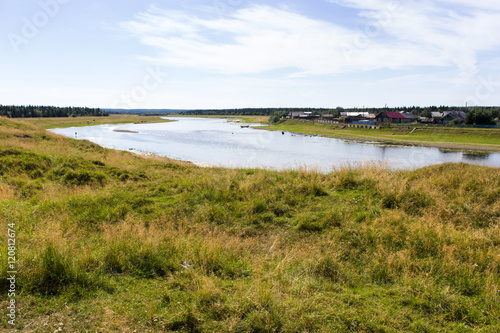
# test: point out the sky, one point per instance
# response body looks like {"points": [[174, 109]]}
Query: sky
{"points": [[219, 54]]}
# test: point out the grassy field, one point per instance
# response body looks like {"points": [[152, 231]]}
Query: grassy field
{"points": [[445, 137], [48, 123], [108, 241]]}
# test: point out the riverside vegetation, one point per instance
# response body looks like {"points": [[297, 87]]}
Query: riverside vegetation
{"points": [[420, 135], [109, 241]]}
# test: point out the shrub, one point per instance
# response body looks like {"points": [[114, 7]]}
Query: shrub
{"points": [[277, 117], [455, 122]]}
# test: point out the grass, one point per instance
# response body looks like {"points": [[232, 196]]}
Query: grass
{"points": [[108, 241], [49, 123], [445, 137]]}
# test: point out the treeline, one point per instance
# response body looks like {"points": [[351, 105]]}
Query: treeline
{"points": [[146, 112], [251, 111], [36, 111], [479, 116], [416, 110]]}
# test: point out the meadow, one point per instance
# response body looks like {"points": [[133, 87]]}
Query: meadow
{"points": [[442, 136], [108, 241]]}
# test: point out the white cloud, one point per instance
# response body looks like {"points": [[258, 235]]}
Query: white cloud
{"points": [[452, 32], [261, 38], [478, 4], [252, 40]]}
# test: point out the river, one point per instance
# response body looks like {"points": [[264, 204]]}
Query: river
{"points": [[219, 142]]}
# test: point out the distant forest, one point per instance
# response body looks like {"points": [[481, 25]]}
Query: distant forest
{"points": [[33, 111], [416, 110], [251, 111]]}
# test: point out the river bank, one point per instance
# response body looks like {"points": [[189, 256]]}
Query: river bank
{"points": [[468, 139], [49, 123]]}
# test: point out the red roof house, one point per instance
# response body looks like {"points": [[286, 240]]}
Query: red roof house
{"points": [[390, 117]]}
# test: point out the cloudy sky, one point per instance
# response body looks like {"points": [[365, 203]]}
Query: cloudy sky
{"points": [[184, 54]]}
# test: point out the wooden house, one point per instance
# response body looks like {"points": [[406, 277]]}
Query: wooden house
{"points": [[390, 117]]}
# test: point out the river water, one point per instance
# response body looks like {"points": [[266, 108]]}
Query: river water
{"points": [[218, 142]]}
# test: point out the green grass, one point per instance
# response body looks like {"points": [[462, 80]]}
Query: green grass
{"points": [[108, 241], [471, 138]]}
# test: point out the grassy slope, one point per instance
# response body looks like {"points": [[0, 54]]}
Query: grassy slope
{"points": [[109, 241], [473, 138]]}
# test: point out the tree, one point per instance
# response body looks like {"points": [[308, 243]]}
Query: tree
{"points": [[277, 116], [427, 113], [479, 117], [495, 112]]}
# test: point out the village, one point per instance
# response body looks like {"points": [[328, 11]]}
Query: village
{"points": [[370, 119]]}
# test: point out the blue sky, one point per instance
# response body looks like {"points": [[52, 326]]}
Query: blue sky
{"points": [[184, 54]]}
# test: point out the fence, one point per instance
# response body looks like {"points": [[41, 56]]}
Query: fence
{"points": [[448, 125]]}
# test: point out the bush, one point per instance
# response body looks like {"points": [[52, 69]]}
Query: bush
{"points": [[456, 122], [277, 117]]}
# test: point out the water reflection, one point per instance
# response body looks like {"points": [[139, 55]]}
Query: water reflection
{"points": [[476, 156]]}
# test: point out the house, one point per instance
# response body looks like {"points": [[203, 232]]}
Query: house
{"points": [[390, 117], [302, 115], [358, 117], [354, 114], [326, 118], [436, 117], [448, 117], [409, 117], [424, 120]]}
